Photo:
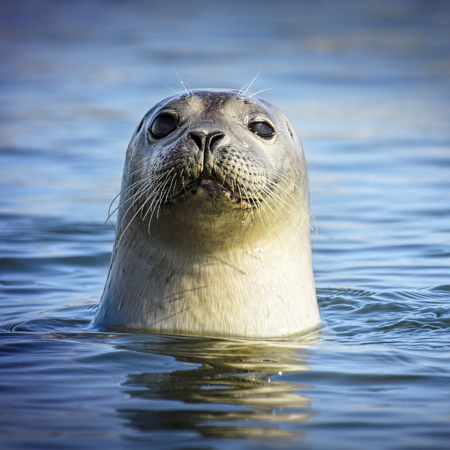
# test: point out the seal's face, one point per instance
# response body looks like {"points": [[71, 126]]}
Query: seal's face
{"points": [[212, 151]]}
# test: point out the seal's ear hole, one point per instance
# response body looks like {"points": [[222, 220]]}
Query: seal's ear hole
{"points": [[262, 129], [163, 125]]}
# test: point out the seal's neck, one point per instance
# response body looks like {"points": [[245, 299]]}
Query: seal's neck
{"points": [[262, 288]]}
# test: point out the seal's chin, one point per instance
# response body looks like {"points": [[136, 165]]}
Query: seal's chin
{"points": [[219, 190]]}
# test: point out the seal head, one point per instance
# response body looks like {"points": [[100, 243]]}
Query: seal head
{"points": [[212, 234]]}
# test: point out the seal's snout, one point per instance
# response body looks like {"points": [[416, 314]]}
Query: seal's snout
{"points": [[206, 139]]}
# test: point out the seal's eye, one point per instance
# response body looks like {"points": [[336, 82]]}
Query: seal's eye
{"points": [[163, 125], [262, 129]]}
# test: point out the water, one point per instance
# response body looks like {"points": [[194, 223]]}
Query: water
{"points": [[366, 84]]}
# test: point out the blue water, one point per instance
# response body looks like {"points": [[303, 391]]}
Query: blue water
{"points": [[367, 86]]}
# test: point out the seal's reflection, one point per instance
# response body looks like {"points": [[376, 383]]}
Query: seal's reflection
{"points": [[237, 389]]}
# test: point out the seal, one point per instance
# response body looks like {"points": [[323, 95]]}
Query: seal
{"points": [[212, 234]]}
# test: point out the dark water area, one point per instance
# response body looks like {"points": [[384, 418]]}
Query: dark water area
{"points": [[367, 86]]}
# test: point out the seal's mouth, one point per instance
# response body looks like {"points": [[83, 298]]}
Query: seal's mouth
{"points": [[212, 185], [215, 187]]}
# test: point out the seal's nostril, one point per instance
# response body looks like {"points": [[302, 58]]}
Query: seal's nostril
{"points": [[198, 138], [213, 138]]}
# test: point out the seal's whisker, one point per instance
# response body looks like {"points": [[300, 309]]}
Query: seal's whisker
{"points": [[262, 90], [162, 194], [156, 195], [190, 94], [163, 198], [152, 207], [182, 179], [121, 192], [129, 223], [153, 195], [277, 199], [148, 181], [253, 195], [240, 90], [135, 199], [150, 194], [145, 168], [110, 214], [137, 196], [158, 178], [269, 197], [139, 164], [296, 199], [250, 85], [272, 199], [143, 197], [274, 185], [279, 175], [248, 196], [279, 188], [266, 197], [168, 87], [170, 187], [259, 187], [142, 194], [146, 158], [258, 209]]}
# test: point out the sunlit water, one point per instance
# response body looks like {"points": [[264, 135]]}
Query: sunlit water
{"points": [[367, 87]]}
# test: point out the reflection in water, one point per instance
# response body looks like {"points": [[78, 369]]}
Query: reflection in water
{"points": [[244, 377]]}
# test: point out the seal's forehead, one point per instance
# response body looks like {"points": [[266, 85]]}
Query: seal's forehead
{"points": [[209, 100]]}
